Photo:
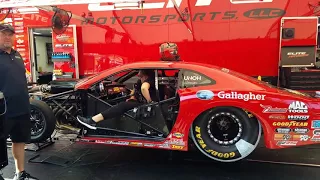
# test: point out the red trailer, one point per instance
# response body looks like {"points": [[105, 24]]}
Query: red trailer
{"points": [[274, 39]]}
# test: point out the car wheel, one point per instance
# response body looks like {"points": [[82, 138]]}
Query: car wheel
{"points": [[43, 121], [226, 134]]}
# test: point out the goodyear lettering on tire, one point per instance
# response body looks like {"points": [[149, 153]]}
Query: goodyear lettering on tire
{"points": [[210, 151]]}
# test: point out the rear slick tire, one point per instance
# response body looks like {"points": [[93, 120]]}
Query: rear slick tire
{"points": [[226, 134]]}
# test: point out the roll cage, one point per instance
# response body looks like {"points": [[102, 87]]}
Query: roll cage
{"points": [[155, 117]]}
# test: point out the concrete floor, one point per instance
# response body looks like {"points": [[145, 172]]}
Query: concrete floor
{"points": [[98, 162]]}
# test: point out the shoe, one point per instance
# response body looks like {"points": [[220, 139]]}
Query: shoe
{"points": [[24, 176], [88, 122]]}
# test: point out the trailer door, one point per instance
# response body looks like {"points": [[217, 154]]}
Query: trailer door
{"points": [[298, 41]]}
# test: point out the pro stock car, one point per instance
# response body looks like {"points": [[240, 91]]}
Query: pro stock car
{"points": [[221, 111]]}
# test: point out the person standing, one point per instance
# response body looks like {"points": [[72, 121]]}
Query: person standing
{"points": [[13, 84]]}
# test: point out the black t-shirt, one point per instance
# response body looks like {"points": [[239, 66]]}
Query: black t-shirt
{"points": [[152, 90], [13, 83]]}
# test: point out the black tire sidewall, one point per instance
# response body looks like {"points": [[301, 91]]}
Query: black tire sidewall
{"points": [[250, 133], [49, 118]]}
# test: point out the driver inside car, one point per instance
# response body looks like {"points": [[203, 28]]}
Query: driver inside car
{"points": [[144, 92]]}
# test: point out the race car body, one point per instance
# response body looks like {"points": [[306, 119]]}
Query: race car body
{"points": [[223, 112]]}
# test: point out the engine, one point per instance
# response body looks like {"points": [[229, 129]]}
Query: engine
{"points": [[69, 104]]}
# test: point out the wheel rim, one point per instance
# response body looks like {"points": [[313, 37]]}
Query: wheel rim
{"points": [[224, 128], [38, 122]]}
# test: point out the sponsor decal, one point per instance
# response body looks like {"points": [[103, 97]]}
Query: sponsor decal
{"points": [[135, 144], [62, 37], [117, 142], [57, 71], [264, 13], [226, 155], [179, 142], [298, 107], [287, 143], [205, 94], [176, 147], [159, 18], [20, 36], [298, 117], [100, 141], [20, 41], [316, 135], [19, 31], [166, 146], [279, 137], [18, 28], [240, 96], [178, 135], [277, 116], [300, 137], [63, 45], [35, 17], [21, 49], [283, 130], [300, 130], [270, 109], [289, 124], [86, 140], [297, 54], [192, 78], [18, 23], [149, 145], [315, 124]]}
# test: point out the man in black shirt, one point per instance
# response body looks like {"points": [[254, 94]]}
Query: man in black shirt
{"points": [[144, 92], [13, 84]]}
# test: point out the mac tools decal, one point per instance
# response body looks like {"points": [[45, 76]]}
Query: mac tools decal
{"points": [[298, 107]]}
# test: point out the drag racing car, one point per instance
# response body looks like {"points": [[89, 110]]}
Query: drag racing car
{"points": [[221, 111]]}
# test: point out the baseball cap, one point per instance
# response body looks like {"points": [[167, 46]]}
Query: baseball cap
{"points": [[6, 26]]}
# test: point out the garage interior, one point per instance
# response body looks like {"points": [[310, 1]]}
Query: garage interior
{"points": [[42, 39]]}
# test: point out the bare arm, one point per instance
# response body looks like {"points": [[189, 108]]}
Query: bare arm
{"points": [[131, 95], [145, 91]]}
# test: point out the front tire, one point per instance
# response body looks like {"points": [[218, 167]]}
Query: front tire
{"points": [[43, 121], [226, 134]]}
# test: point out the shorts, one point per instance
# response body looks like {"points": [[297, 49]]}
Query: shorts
{"points": [[18, 128]]}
